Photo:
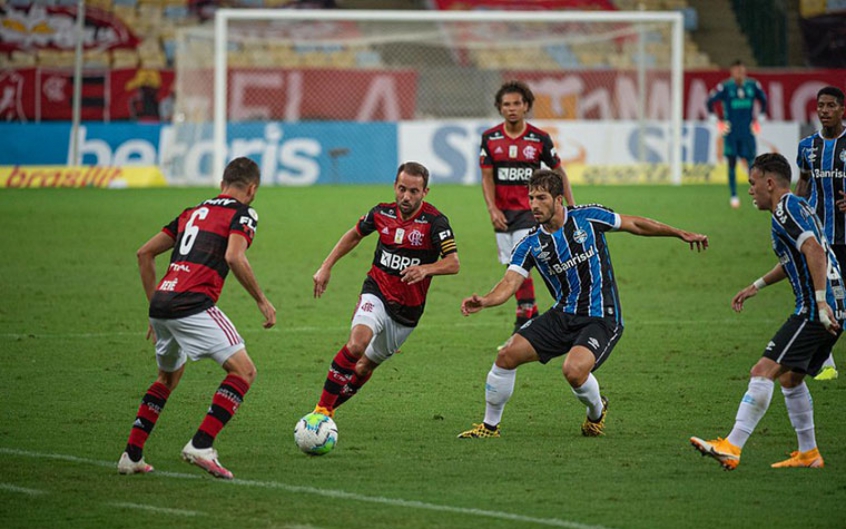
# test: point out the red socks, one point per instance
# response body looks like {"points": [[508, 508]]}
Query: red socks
{"points": [[225, 403], [339, 375], [148, 413]]}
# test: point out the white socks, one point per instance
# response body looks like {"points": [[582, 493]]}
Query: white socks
{"points": [[829, 362], [498, 389], [588, 394], [752, 408], [800, 409]]}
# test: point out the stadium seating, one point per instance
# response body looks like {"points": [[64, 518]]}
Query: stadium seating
{"points": [[156, 21]]}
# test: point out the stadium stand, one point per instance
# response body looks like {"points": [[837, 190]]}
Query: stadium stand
{"points": [[155, 22]]}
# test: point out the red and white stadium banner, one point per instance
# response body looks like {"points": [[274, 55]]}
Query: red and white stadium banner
{"points": [[792, 95], [34, 27], [316, 94], [35, 94], [611, 94]]}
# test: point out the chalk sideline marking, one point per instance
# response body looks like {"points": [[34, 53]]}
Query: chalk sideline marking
{"points": [[153, 508], [338, 494]]}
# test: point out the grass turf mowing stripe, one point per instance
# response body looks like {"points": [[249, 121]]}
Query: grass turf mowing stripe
{"points": [[336, 494]]}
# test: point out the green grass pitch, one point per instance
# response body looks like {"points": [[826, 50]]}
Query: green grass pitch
{"points": [[74, 364]]}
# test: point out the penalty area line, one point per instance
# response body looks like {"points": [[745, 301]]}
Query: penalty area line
{"points": [[299, 489]]}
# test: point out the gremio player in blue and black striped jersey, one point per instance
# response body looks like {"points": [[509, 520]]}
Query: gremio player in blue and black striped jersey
{"points": [[569, 250], [822, 170], [806, 338]]}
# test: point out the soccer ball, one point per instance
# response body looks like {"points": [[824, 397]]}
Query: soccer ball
{"points": [[316, 434]]}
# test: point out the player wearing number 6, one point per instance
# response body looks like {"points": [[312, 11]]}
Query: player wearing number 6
{"points": [[207, 240], [806, 338]]}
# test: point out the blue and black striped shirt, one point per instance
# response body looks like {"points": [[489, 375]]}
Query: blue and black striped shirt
{"points": [[574, 262], [825, 160], [794, 223]]}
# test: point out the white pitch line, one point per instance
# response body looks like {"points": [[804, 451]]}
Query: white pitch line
{"points": [[341, 328], [22, 490], [338, 494], [153, 508]]}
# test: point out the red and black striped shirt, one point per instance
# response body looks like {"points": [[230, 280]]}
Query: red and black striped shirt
{"points": [[422, 239], [198, 266], [513, 161]]}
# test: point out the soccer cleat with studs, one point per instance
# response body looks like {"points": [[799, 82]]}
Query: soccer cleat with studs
{"points": [[808, 459], [596, 428], [480, 431], [324, 411], [826, 373], [720, 449], [127, 466], [205, 458]]}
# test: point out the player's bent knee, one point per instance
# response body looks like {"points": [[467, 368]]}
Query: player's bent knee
{"points": [[356, 348], [575, 376], [240, 364], [505, 359]]}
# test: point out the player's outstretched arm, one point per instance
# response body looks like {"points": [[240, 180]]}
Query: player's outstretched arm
{"points": [[158, 244], [236, 258], [442, 267], [773, 276], [345, 244], [500, 293], [652, 228]]}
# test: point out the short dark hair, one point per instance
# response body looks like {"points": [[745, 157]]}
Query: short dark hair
{"points": [[241, 172], [738, 62], [832, 91], [514, 87], [548, 180], [414, 169], [774, 164]]}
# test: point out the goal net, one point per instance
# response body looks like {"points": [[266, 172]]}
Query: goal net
{"points": [[333, 96]]}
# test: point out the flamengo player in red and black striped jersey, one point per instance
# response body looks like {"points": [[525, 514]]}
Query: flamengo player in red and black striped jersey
{"points": [[509, 155], [415, 243], [207, 240]]}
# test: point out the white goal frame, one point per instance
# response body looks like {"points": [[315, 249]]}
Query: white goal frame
{"points": [[675, 19]]}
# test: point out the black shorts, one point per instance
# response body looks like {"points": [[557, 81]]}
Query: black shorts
{"points": [[801, 345], [554, 333], [518, 219]]}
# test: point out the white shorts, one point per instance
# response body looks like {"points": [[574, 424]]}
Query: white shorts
{"points": [[505, 242], [388, 335], [208, 334]]}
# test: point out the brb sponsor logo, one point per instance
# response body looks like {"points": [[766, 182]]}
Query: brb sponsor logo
{"points": [[291, 161], [512, 174], [397, 262]]}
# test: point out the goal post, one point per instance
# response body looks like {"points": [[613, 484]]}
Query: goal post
{"points": [[420, 85]]}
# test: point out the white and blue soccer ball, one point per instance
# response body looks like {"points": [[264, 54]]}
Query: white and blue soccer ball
{"points": [[316, 434]]}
